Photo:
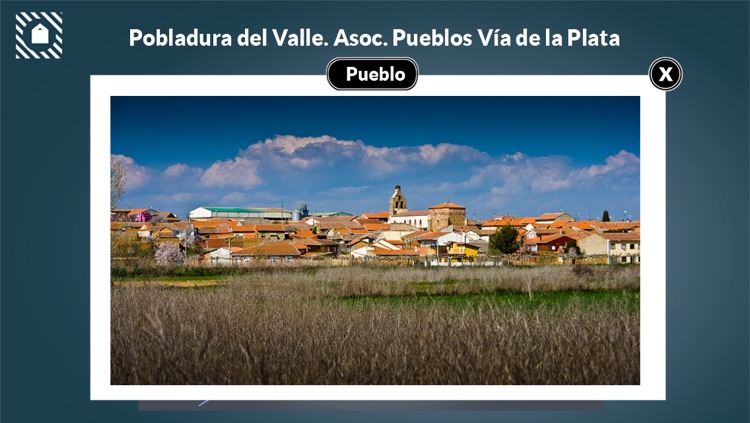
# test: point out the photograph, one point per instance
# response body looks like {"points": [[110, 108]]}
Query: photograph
{"points": [[375, 240]]}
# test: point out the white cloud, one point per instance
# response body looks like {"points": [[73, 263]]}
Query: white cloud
{"points": [[181, 169], [241, 172], [135, 175], [622, 162], [432, 154], [518, 173], [178, 197], [307, 153]]}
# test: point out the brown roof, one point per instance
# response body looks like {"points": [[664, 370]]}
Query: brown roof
{"points": [[243, 229], [412, 213], [550, 216], [134, 212], [577, 235], [361, 238], [380, 215], [548, 239], [333, 218], [282, 248], [627, 236], [339, 224], [583, 224], [496, 223], [364, 221], [319, 242], [213, 243], [607, 226], [447, 205], [507, 220], [432, 235], [345, 231], [545, 231], [269, 228]]}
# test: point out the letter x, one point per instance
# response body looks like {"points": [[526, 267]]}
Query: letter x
{"points": [[665, 74]]}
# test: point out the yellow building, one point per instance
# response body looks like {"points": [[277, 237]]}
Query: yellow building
{"points": [[458, 248]]}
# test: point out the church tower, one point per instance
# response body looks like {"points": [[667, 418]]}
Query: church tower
{"points": [[397, 203]]}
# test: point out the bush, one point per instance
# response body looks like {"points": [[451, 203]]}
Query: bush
{"points": [[582, 271]]}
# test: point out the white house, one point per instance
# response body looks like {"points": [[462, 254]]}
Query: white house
{"points": [[240, 213], [419, 219], [220, 256], [377, 245]]}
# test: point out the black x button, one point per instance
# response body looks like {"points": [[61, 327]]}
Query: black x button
{"points": [[665, 73]]}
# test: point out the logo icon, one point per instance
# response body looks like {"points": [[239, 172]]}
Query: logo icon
{"points": [[39, 35]]}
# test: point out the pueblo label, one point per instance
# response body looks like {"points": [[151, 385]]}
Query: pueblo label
{"points": [[372, 73]]}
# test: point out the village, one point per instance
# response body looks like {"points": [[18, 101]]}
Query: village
{"points": [[442, 235]]}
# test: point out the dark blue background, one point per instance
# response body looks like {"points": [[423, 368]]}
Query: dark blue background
{"points": [[44, 177]]}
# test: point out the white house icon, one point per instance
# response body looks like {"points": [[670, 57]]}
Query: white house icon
{"points": [[40, 35]]}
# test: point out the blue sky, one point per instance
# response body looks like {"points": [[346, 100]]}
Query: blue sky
{"points": [[523, 155]]}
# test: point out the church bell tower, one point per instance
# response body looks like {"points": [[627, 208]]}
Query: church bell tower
{"points": [[397, 203]]}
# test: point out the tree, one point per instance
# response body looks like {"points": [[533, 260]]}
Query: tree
{"points": [[169, 253], [605, 216], [572, 249], [504, 240], [159, 218], [117, 179]]}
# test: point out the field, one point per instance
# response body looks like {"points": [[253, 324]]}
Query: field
{"points": [[542, 325]]}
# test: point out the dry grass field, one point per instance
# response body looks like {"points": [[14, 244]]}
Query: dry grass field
{"points": [[546, 325]]}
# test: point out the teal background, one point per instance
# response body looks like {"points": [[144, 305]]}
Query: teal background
{"points": [[44, 180]]}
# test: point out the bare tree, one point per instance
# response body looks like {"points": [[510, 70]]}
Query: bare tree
{"points": [[117, 179]]}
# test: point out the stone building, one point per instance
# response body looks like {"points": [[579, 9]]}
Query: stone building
{"points": [[397, 202], [446, 214]]}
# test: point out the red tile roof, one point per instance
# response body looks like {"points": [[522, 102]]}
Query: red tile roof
{"points": [[304, 233]]}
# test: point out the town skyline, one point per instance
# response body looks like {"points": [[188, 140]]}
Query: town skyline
{"points": [[494, 155]]}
